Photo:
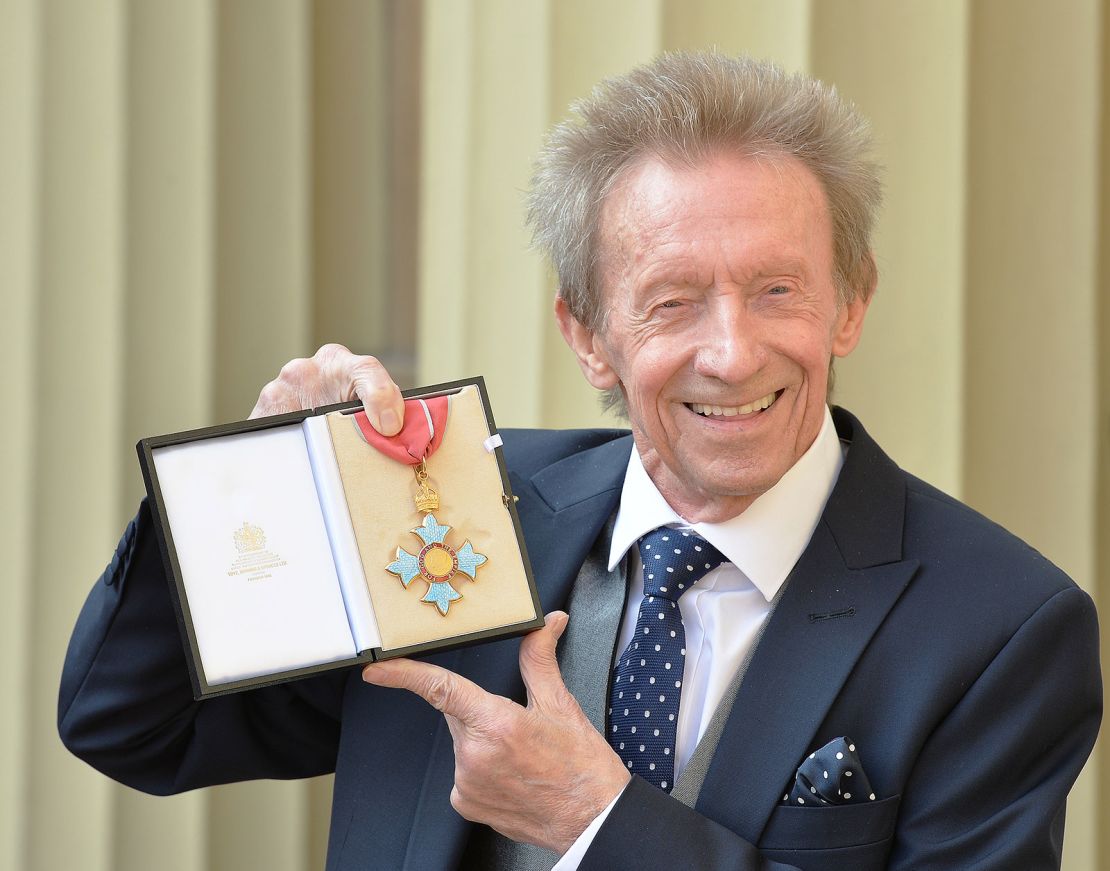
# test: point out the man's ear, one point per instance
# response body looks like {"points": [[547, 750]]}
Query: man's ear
{"points": [[849, 319], [587, 347]]}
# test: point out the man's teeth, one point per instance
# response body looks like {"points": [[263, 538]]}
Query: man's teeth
{"points": [[733, 410]]}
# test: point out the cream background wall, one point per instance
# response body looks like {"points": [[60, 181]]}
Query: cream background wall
{"points": [[194, 191]]}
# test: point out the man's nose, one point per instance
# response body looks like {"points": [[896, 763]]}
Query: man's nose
{"points": [[730, 348]]}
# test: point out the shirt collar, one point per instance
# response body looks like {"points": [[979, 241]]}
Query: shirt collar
{"points": [[766, 540]]}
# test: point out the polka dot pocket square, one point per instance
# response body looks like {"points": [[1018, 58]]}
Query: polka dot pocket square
{"points": [[831, 775]]}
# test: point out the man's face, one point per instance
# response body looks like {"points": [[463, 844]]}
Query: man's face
{"points": [[722, 317]]}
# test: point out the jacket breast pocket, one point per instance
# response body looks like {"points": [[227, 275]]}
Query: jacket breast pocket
{"points": [[807, 836]]}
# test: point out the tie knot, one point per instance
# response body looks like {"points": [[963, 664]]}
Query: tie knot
{"points": [[675, 560]]}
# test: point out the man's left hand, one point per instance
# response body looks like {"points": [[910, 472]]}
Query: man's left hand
{"points": [[538, 774]]}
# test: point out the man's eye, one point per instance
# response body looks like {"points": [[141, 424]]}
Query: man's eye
{"points": [[670, 303], [779, 290]]}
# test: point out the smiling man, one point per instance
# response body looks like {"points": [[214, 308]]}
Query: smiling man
{"points": [[782, 652], [721, 317]]}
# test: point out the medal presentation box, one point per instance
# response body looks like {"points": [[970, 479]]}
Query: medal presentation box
{"points": [[295, 545]]}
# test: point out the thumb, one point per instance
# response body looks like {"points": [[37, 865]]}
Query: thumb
{"points": [[538, 665]]}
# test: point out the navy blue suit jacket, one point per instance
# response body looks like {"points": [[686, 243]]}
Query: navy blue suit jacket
{"points": [[962, 663]]}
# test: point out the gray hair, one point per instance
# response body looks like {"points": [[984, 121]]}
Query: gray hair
{"points": [[682, 106]]}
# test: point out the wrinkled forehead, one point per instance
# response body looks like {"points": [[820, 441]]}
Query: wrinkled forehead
{"points": [[760, 204]]}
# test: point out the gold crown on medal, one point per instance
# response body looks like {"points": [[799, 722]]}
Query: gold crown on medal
{"points": [[426, 498], [249, 539]]}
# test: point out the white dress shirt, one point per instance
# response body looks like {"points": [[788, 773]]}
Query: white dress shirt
{"points": [[724, 611]]}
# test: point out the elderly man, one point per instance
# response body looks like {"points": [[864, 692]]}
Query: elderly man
{"points": [[781, 651]]}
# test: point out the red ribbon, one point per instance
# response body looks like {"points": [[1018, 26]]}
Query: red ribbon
{"points": [[415, 441]]}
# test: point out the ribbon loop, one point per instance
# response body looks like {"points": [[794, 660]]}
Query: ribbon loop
{"points": [[421, 433]]}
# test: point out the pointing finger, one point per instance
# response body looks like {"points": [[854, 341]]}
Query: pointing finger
{"points": [[442, 689]]}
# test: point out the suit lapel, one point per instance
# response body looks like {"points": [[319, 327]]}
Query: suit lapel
{"points": [[795, 676], [562, 509], [846, 582]]}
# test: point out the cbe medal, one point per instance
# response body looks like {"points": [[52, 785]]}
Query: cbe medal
{"points": [[436, 562]]}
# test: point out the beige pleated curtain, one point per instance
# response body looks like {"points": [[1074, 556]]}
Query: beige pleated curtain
{"points": [[193, 192]]}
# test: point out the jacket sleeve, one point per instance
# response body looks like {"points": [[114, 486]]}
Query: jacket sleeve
{"points": [[986, 791], [126, 704]]}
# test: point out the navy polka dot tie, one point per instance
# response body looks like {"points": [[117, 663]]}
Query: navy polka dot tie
{"points": [[647, 680]]}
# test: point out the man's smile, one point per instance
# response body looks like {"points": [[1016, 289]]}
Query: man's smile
{"points": [[720, 412]]}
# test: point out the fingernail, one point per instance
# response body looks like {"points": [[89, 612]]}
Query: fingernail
{"points": [[388, 423], [558, 622], [376, 672]]}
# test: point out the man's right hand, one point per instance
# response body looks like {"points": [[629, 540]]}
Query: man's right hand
{"points": [[333, 374]]}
